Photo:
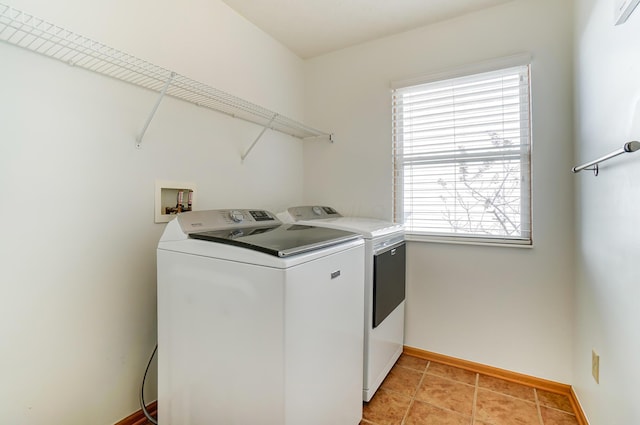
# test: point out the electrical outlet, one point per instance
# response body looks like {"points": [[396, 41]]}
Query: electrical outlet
{"points": [[595, 366]]}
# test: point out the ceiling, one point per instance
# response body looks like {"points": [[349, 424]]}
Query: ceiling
{"points": [[312, 27]]}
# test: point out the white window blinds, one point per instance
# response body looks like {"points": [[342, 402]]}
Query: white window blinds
{"points": [[462, 157]]}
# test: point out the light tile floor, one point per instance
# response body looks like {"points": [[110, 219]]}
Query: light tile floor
{"points": [[419, 392]]}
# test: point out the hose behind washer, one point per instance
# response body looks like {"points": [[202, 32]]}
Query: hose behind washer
{"points": [[144, 378]]}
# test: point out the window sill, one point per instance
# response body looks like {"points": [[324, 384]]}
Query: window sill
{"points": [[469, 241]]}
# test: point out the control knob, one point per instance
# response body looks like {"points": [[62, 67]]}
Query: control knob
{"points": [[236, 216]]}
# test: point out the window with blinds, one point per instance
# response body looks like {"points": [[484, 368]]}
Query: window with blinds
{"points": [[462, 158]]}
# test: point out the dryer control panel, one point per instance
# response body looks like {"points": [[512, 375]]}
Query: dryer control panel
{"points": [[312, 212]]}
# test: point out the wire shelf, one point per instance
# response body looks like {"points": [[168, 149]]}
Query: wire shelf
{"points": [[39, 36]]}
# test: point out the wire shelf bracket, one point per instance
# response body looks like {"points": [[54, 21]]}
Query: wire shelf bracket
{"points": [[628, 147], [258, 138], [42, 37], [153, 111]]}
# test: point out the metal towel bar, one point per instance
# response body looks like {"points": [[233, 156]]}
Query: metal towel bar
{"points": [[626, 148]]}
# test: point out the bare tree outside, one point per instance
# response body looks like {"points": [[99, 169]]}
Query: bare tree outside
{"points": [[483, 197]]}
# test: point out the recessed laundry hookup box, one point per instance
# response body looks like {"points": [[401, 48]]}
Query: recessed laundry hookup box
{"points": [[172, 198]]}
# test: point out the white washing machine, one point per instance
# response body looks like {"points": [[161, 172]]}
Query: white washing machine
{"points": [[259, 322], [385, 257]]}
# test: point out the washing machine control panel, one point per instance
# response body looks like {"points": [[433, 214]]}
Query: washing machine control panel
{"points": [[200, 221], [236, 216], [312, 212]]}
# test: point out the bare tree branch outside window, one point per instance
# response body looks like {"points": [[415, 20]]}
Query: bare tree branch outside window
{"points": [[484, 197]]}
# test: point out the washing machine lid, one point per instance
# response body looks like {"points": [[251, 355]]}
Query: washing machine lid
{"points": [[281, 240], [330, 218], [258, 230]]}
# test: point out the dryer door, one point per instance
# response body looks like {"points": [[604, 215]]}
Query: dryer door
{"points": [[388, 281]]}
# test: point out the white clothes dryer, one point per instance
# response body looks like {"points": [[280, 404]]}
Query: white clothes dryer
{"points": [[384, 274], [258, 322]]}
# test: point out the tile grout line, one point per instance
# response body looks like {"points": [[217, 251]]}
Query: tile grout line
{"points": [[514, 397], [413, 397], [535, 393]]}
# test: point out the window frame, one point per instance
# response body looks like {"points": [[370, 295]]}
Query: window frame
{"points": [[526, 193]]}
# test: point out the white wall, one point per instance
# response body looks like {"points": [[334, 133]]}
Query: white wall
{"points": [[506, 307], [607, 317], [77, 296], [77, 252]]}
